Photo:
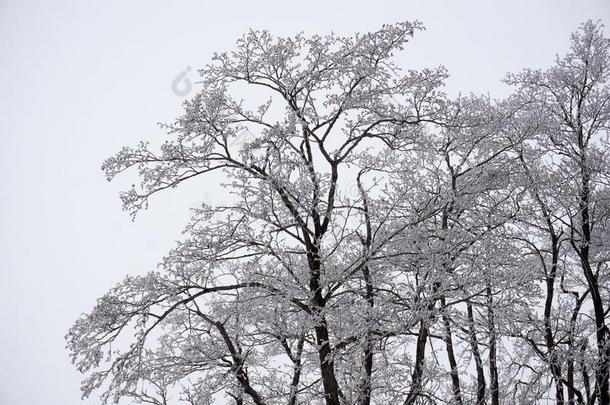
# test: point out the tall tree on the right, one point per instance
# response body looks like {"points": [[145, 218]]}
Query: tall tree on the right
{"points": [[571, 104]]}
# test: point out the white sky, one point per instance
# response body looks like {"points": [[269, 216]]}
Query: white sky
{"points": [[81, 79]]}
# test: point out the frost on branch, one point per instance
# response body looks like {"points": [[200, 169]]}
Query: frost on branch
{"points": [[378, 243]]}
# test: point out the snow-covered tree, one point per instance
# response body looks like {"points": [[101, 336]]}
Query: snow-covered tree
{"points": [[379, 242]]}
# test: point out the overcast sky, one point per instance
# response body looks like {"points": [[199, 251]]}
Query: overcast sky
{"points": [[81, 79]]}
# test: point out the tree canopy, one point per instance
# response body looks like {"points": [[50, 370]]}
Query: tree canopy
{"points": [[380, 241]]}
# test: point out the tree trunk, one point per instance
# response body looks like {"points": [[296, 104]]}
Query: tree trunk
{"points": [[584, 371], [420, 350], [455, 377], [365, 387], [474, 344], [420, 353], [327, 365], [365, 382], [548, 330], [550, 277], [603, 346], [493, 367], [296, 375]]}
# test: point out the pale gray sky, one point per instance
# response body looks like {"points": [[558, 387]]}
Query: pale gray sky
{"points": [[82, 78]]}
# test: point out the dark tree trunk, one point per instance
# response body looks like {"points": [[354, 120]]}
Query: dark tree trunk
{"points": [[603, 346], [574, 395], [550, 277], [493, 366], [327, 365], [554, 362], [365, 383], [420, 353], [455, 377], [584, 371], [420, 350], [296, 375], [474, 345], [365, 387], [325, 355]]}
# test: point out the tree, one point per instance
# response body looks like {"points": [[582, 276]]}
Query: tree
{"points": [[380, 243], [571, 104], [271, 273]]}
